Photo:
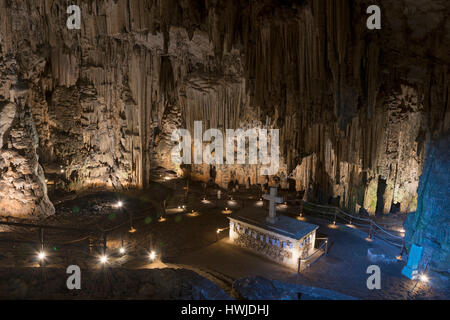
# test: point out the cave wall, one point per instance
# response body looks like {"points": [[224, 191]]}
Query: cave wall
{"points": [[354, 106], [429, 226]]}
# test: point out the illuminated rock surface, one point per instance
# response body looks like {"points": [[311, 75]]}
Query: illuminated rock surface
{"points": [[354, 107], [96, 107], [429, 226], [161, 284]]}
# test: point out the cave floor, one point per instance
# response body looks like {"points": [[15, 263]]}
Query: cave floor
{"points": [[189, 240], [343, 270]]}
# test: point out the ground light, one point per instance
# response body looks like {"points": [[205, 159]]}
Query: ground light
{"points": [[122, 250], [41, 256], [104, 259], [119, 204], [152, 255], [424, 278]]}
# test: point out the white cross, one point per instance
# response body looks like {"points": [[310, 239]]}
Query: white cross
{"points": [[272, 218]]}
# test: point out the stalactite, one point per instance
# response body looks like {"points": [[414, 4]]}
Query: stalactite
{"points": [[352, 105]]}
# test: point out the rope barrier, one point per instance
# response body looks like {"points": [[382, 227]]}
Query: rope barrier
{"points": [[372, 225]]}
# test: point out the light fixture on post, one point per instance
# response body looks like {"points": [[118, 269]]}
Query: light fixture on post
{"points": [[103, 259], [226, 211], [122, 247], [152, 255], [424, 278], [42, 256]]}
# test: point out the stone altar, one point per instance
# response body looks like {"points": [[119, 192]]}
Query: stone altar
{"points": [[284, 240]]}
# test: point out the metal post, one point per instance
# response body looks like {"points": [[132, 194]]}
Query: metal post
{"points": [[104, 243], [403, 248], [150, 242], [91, 245], [41, 236], [41, 239], [326, 247]]}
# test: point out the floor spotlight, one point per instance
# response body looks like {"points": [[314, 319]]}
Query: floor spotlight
{"points": [[41, 256], [424, 278], [103, 259], [152, 255]]}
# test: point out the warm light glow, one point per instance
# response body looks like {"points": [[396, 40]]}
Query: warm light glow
{"points": [[41, 255], [103, 259], [218, 230], [193, 214], [122, 250], [119, 204], [226, 211], [132, 230], [152, 255], [161, 219], [62, 170], [423, 278], [166, 178]]}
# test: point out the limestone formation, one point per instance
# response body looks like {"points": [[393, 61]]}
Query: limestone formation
{"points": [[429, 226], [355, 106]]}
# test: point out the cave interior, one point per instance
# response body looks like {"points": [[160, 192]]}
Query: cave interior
{"points": [[356, 119]]}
